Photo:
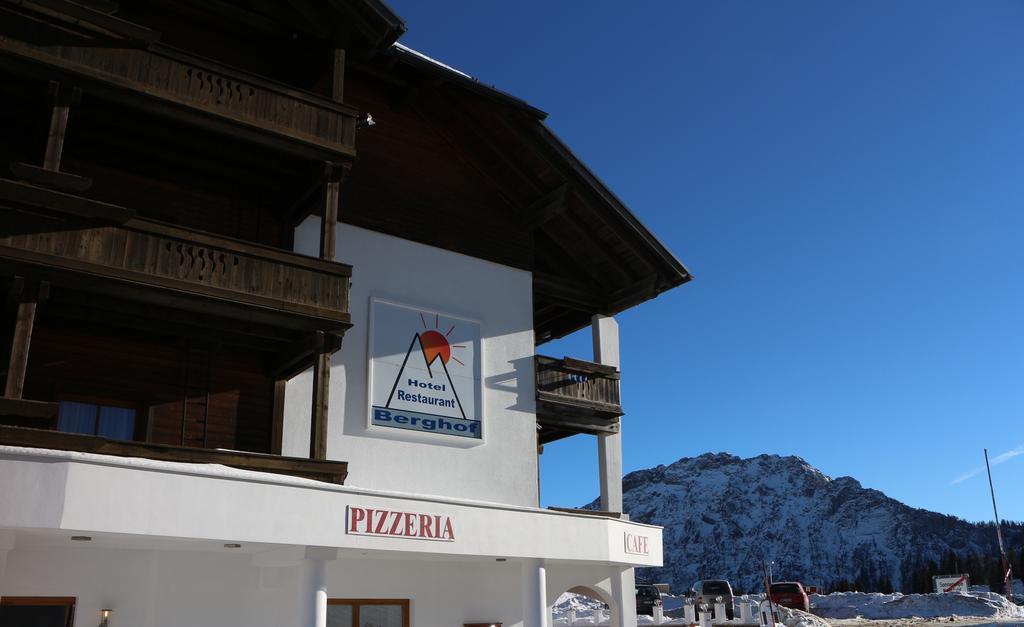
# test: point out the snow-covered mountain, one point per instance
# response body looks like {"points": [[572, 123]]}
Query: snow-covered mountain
{"points": [[723, 516]]}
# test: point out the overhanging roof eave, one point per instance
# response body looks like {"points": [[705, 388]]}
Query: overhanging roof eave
{"points": [[671, 262]]}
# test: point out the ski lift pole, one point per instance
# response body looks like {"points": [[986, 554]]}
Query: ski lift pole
{"points": [[1007, 570], [768, 592]]}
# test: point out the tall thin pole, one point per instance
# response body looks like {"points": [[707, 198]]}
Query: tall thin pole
{"points": [[1007, 579]]}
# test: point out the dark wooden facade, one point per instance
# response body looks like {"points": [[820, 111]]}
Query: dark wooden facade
{"points": [[162, 153]]}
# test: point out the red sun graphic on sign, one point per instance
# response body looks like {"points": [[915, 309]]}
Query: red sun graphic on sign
{"points": [[435, 344]]}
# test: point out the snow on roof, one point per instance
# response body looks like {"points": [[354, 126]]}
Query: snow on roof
{"points": [[468, 80], [419, 54]]}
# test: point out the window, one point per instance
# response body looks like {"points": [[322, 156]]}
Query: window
{"points": [[785, 588], [368, 613], [109, 421], [37, 611]]}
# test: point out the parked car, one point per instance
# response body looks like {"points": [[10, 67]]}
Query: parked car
{"points": [[790, 594], [708, 591], [648, 597]]}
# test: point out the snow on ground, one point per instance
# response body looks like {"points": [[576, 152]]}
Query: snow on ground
{"points": [[840, 609], [875, 606], [796, 618]]}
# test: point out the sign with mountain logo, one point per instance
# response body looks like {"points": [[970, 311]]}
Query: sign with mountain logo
{"points": [[424, 370]]}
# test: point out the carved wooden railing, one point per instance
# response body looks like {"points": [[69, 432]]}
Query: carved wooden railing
{"points": [[580, 383], [146, 253], [169, 76]]}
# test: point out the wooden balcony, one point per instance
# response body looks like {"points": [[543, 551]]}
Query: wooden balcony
{"points": [[575, 396], [31, 424], [86, 244], [170, 82]]}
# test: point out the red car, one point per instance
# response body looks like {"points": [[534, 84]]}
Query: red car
{"points": [[790, 594]]}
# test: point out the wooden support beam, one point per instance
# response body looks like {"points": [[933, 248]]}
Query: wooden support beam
{"points": [[61, 181], [642, 289], [547, 207], [592, 428], [557, 290], [329, 223], [63, 98], [23, 324], [333, 175], [70, 204], [562, 160], [302, 354], [338, 78], [321, 392]]}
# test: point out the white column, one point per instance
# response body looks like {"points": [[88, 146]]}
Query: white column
{"points": [[605, 331], [535, 595], [609, 445], [316, 585], [319, 581], [623, 598]]}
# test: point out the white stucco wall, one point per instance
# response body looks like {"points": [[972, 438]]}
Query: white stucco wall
{"points": [[149, 588], [503, 466], [67, 493], [161, 588]]}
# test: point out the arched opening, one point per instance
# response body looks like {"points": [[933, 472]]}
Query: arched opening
{"points": [[581, 605]]}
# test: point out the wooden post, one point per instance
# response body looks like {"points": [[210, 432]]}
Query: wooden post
{"points": [[329, 223], [338, 79], [321, 391], [58, 124], [23, 324], [19, 349]]}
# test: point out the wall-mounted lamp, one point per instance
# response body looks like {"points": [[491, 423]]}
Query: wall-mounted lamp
{"points": [[105, 617]]}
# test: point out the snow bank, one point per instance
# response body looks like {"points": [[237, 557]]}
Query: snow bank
{"points": [[796, 618], [875, 606], [584, 610]]}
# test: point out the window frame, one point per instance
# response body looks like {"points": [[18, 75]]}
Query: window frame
{"points": [[140, 431], [355, 603], [68, 602]]}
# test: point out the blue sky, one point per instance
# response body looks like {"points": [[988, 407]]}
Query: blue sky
{"points": [[844, 180]]}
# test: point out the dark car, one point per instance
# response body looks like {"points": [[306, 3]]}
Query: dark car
{"points": [[790, 594], [708, 591], [647, 598]]}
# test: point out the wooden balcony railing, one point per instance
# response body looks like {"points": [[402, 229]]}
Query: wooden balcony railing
{"points": [[181, 84], [575, 396], [140, 253], [577, 382], [47, 438]]}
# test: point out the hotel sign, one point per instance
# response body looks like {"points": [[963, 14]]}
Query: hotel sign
{"points": [[424, 371], [364, 521]]}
